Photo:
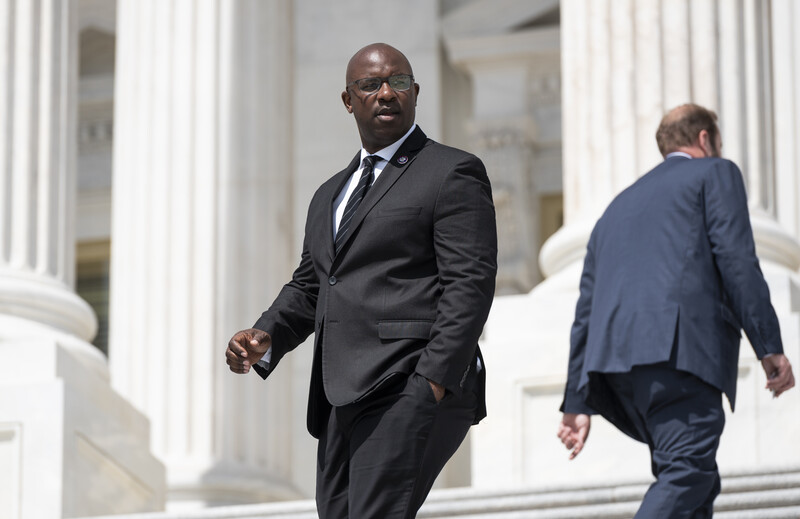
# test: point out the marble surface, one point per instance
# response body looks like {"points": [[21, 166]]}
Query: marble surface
{"points": [[70, 446]]}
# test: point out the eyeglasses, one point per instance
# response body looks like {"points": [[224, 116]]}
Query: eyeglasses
{"points": [[398, 82]]}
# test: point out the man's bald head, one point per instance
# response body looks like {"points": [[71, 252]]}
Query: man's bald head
{"points": [[373, 53], [382, 114]]}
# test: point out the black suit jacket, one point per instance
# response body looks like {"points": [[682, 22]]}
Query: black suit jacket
{"points": [[670, 275], [409, 291]]}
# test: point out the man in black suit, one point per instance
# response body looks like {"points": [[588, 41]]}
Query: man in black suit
{"points": [[670, 278], [396, 280]]}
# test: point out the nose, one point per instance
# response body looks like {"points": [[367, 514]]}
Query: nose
{"points": [[385, 92]]}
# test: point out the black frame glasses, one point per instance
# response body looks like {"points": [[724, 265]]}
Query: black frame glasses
{"points": [[397, 82]]}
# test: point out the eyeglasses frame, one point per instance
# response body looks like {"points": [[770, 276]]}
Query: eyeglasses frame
{"points": [[383, 80]]}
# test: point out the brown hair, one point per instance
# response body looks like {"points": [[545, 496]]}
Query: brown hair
{"points": [[681, 126]]}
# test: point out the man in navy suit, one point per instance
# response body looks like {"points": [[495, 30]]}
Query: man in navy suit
{"points": [[669, 280], [395, 280]]}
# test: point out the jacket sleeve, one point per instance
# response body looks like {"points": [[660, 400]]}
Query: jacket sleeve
{"points": [[290, 318], [465, 245], [731, 239], [573, 401]]}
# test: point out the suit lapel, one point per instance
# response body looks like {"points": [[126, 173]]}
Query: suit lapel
{"points": [[339, 180], [391, 173]]}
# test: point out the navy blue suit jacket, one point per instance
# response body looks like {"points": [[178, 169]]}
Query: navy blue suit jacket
{"points": [[670, 275]]}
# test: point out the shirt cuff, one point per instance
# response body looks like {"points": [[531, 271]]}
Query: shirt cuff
{"points": [[262, 366]]}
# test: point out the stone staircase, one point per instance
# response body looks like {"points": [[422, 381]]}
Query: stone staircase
{"points": [[763, 495]]}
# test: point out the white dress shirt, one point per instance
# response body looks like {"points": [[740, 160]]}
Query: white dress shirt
{"points": [[385, 155]]}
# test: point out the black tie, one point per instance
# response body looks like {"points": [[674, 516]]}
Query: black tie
{"points": [[355, 199]]}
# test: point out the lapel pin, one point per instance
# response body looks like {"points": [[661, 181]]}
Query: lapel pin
{"points": [[402, 160]]}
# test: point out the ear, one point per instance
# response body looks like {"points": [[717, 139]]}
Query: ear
{"points": [[705, 144], [416, 93], [347, 101]]}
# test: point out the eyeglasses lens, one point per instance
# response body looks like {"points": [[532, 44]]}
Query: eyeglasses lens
{"points": [[371, 84], [402, 82]]}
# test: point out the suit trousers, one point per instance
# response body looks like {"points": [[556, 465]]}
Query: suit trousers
{"points": [[378, 458], [681, 419]]}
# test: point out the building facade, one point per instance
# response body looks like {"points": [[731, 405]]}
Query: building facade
{"points": [[158, 160]]}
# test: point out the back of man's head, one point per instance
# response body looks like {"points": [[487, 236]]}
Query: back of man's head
{"points": [[682, 125]]}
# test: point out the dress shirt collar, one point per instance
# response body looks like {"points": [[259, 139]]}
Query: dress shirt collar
{"points": [[388, 152], [678, 154]]}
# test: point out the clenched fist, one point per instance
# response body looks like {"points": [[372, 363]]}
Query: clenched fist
{"points": [[246, 348]]}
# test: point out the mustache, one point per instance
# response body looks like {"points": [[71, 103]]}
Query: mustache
{"points": [[387, 110]]}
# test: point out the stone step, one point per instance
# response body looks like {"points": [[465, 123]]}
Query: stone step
{"points": [[767, 495], [774, 494], [787, 512]]}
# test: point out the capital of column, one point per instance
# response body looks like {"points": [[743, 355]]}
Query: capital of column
{"points": [[502, 132]]}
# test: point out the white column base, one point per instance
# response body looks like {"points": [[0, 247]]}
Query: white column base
{"points": [[69, 445], [45, 300]]}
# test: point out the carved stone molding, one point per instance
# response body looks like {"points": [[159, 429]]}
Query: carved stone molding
{"points": [[505, 133]]}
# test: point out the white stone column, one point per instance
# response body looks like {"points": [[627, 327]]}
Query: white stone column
{"points": [[63, 433], [202, 217], [785, 41], [624, 63], [37, 155]]}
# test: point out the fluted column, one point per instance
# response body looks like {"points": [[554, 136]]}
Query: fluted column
{"points": [[201, 221], [785, 41], [625, 63], [38, 67], [64, 435]]}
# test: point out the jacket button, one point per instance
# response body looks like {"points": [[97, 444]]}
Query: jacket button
{"points": [[332, 280]]}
